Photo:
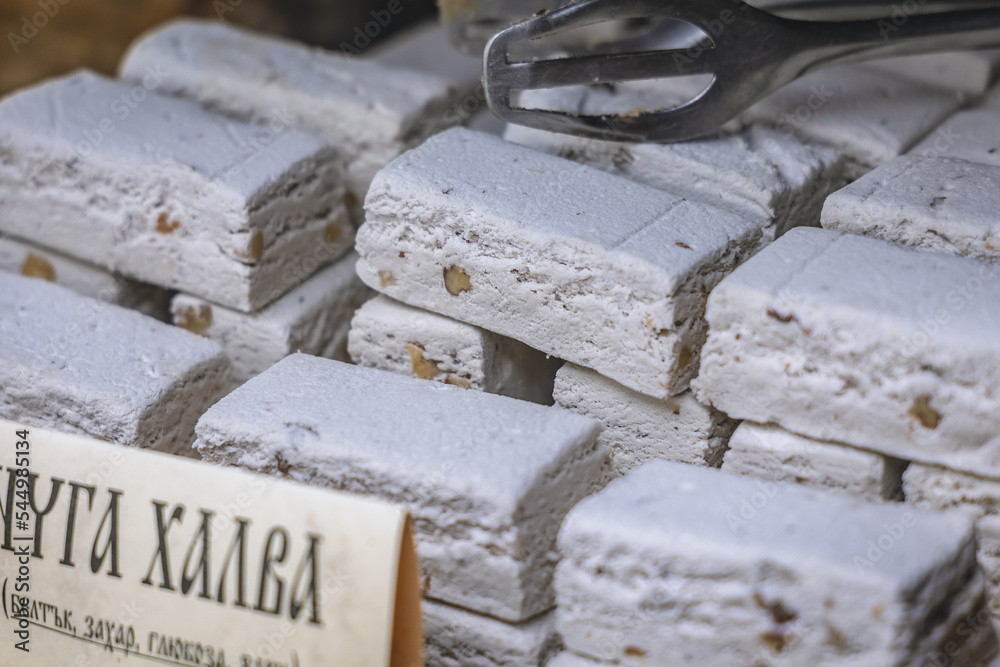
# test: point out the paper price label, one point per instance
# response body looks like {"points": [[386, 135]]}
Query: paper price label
{"points": [[118, 556]]}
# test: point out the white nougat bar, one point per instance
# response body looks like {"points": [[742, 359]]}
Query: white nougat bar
{"points": [[427, 48], [458, 638], [867, 115], [34, 261], [926, 203], [988, 529], [758, 173], [640, 428], [684, 565], [580, 264], [487, 479], [967, 72], [76, 364], [771, 453], [369, 112], [934, 487], [856, 340], [392, 336], [972, 135], [940, 488], [167, 193], [313, 318]]}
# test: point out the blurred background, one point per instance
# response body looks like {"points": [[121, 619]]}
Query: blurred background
{"points": [[44, 38]]}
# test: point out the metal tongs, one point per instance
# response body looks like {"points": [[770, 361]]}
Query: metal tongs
{"points": [[748, 52]]}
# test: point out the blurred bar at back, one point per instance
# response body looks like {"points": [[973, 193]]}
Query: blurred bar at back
{"points": [[45, 38]]}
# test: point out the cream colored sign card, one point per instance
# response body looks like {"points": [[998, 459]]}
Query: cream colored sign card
{"points": [[118, 556]]}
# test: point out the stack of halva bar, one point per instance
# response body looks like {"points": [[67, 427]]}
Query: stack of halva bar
{"points": [[655, 294], [221, 179], [487, 479]]}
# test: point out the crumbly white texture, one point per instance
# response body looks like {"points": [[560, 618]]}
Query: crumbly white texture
{"points": [[967, 72], [938, 488], [169, 194], [684, 565], [856, 340], [759, 173], [771, 453], [314, 318], [458, 638], [426, 48], [76, 364], [369, 112], [487, 479], [988, 529], [925, 203], [639, 428], [392, 336], [867, 115], [972, 135], [580, 264], [34, 261]]}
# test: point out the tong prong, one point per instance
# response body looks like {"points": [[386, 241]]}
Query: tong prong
{"points": [[606, 69], [752, 55]]}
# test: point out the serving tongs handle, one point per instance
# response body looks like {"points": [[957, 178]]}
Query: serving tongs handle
{"points": [[753, 53], [829, 43]]}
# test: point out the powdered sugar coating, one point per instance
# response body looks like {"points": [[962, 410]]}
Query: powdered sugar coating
{"points": [[846, 338], [667, 566], [168, 194], [486, 478], [79, 365], [569, 260]]}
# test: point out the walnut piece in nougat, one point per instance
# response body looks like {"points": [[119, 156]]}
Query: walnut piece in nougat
{"points": [[313, 318], [860, 341], [169, 194], [577, 263], [392, 336], [684, 565]]}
